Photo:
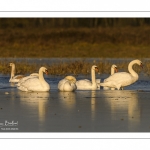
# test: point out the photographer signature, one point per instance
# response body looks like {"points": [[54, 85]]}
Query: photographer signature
{"points": [[7, 123]]}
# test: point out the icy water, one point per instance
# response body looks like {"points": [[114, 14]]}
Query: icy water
{"points": [[79, 111]]}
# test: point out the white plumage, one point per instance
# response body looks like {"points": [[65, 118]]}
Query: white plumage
{"points": [[14, 78], [86, 84], [113, 70], [35, 83], [33, 75], [67, 84], [122, 79]]}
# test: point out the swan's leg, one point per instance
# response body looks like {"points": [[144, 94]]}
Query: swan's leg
{"points": [[121, 88], [118, 86]]}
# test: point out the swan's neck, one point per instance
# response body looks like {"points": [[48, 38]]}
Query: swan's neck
{"points": [[93, 76], [41, 77], [12, 71], [130, 69], [112, 71]]}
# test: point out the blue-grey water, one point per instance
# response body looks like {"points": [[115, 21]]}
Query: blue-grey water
{"points": [[79, 111]]}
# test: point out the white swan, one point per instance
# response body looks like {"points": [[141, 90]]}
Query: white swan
{"points": [[122, 79], [14, 78], [87, 84], [36, 83], [67, 84], [113, 70]]}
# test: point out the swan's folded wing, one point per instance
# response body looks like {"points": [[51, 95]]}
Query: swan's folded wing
{"points": [[84, 82], [61, 84], [119, 77], [62, 81], [18, 77], [31, 84], [24, 79]]}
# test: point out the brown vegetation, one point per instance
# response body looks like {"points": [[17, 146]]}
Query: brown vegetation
{"points": [[74, 68], [103, 42]]}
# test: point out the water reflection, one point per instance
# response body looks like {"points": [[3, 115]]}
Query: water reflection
{"points": [[35, 101], [124, 106], [93, 104], [68, 100]]}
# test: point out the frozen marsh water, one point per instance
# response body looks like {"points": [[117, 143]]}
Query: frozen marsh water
{"points": [[79, 111]]}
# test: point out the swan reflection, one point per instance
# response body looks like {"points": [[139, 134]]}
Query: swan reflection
{"points": [[67, 99], [93, 104], [35, 101], [124, 105]]}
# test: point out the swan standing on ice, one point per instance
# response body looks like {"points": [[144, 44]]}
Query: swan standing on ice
{"points": [[14, 78], [121, 79], [67, 84], [87, 84], [113, 70], [36, 83]]}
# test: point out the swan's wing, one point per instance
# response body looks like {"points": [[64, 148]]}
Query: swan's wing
{"points": [[118, 77], [65, 85], [121, 79], [24, 79], [34, 74], [31, 84], [18, 77], [83, 83], [61, 83]]}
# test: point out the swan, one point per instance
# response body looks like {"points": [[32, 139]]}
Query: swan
{"points": [[113, 70], [67, 84], [14, 78], [36, 83], [122, 79], [87, 84]]}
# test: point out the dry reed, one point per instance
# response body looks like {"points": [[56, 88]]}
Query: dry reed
{"points": [[74, 68]]}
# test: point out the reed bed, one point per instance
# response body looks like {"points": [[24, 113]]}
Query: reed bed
{"points": [[71, 68]]}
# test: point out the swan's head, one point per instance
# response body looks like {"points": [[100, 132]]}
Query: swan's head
{"points": [[71, 79], [95, 68], [114, 67], [44, 70], [11, 64], [139, 63]]}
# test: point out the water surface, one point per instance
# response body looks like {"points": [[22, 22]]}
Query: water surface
{"points": [[79, 111]]}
